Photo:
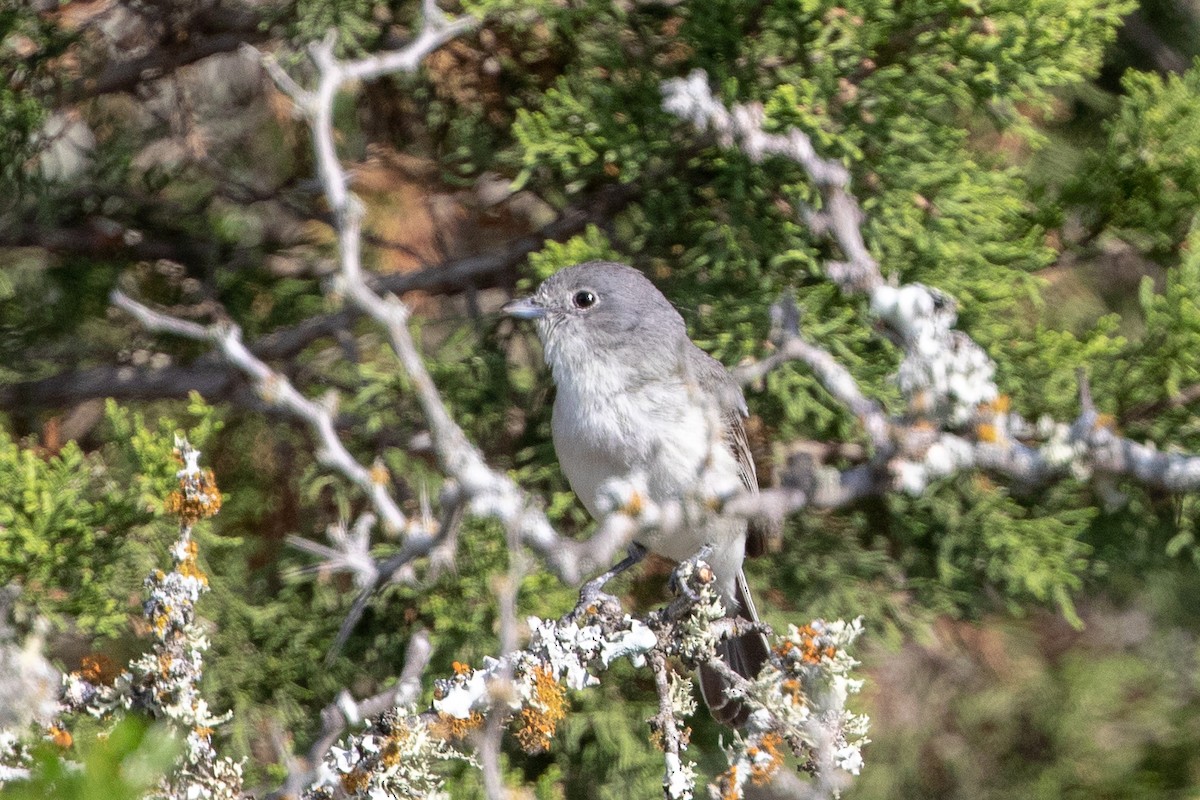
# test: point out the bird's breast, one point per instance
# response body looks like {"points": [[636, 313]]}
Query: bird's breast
{"points": [[655, 432]]}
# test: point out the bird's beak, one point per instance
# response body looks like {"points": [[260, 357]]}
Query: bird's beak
{"points": [[525, 308]]}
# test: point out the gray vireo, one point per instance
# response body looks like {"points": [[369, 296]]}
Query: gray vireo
{"points": [[638, 403]]}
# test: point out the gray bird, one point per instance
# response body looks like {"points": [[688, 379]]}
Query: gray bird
{"points": [[639, 403]]}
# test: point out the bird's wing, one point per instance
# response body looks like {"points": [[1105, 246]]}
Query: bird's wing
{"points": [[712, 376]]}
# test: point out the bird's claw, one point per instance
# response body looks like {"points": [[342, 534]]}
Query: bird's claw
{"points": [[592, 593]]}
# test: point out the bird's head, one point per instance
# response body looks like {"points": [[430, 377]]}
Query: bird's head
{"points": [[597, 311]]}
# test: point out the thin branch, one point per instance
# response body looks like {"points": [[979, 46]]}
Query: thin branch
{"points": [[128, 75], [956, 418], [345, 711], [214, 379], [837, 380], [487, 492], [690, 99], [278, 391], [1183, 399]]}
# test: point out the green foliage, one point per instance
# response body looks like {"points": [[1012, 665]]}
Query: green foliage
{"points": [[147, 452], [73, 525], [584, 133], [1040, 372], [124, 763], [1172, 335], [355, 23], [1145, 181], [591, 245], [1154, 373], [937, 108], [838, 566], [980, 536], [61, 531], [604, 739], [20, 117]]}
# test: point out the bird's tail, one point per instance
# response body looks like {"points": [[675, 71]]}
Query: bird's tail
{"points": [[744, 654]]}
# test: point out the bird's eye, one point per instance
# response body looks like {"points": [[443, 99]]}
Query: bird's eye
{"points": [[584, 299]]}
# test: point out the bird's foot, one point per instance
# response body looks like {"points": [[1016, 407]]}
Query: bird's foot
{"points": [[593, 591]]}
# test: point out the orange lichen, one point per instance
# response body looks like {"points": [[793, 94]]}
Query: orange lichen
{"points": [[390, 751], [793, 690], [379, 475], [810, 651], [203, 731], [355, 781], [762, 770], [197, 497], [635, 505], [727, 784], [453, 729], [540, 717], [164, 664], [1000, 405], [61, 737], [188, 567], [461, 668], [658, 740], [987, 432], [98, 668]]}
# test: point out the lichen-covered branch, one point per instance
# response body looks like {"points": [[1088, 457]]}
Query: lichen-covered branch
{"points": [[955, 417], [165, 682], [799, 699], [345, 711]]}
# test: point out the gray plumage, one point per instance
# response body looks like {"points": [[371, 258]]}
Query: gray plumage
{"points": [[637, 401]]}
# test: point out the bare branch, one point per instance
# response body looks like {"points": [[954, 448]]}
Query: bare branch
{"points": [[127, 75], [1185, 398], [837, 380], [214, 379], [486, 491], [278, 391], [690, 99]]}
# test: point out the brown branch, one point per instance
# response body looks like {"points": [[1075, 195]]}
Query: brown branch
{"points": [[217, 380], [217, 29], [1141, 412]]}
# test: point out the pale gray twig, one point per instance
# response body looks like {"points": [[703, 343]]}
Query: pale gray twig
{"points": [[790, 345], [278, 391], [956, 418], [487, 492], [667, 726], [690, 99]]}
